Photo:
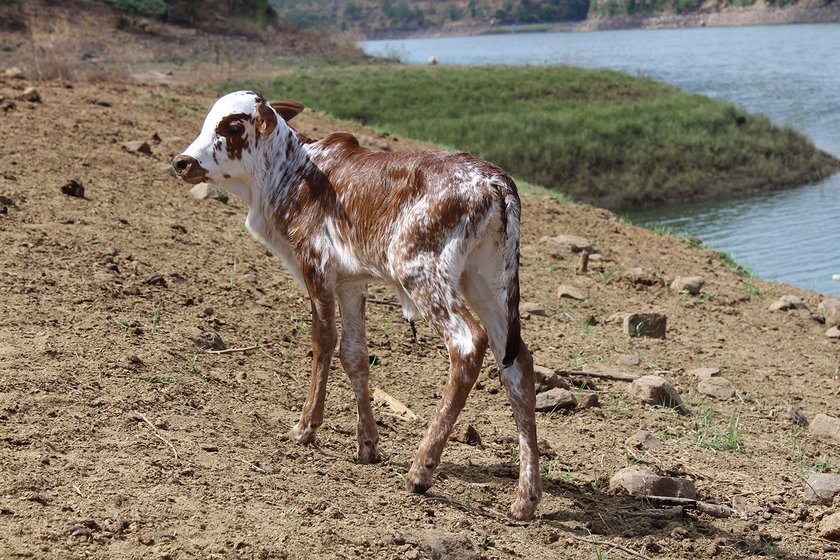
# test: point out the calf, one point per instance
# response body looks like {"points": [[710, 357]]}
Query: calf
{"points": [[442, 227]]}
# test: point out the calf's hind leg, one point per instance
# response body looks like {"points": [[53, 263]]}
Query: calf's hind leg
{"points": [[353, 354]]}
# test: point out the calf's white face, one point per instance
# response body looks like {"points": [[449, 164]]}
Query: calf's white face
{"points": [[232, 131]]}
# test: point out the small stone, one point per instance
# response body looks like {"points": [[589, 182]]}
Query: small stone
{"points": [[205, 190], [645, 324], [796, 416], [638, 275], [31, 94], [247, 278], [588, 399], [639, 480], [643, 440], [628, 360], [137, 147], [657, 391], [207, 339], [690, 284], [14, 73], [833, 332], [546, 378], [566, 291], [565, 244], [716, 387], [821, 488], [786, 303], [830, 527], [830, 310], [704, 373], [156, 280], [466, 433], [533, 308], [73, 188], [826, 426], [554, 399]]}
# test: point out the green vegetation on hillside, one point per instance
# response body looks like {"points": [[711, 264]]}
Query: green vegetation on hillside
{"points": [[599, 136]]}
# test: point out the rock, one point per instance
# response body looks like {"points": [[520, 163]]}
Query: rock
{"points": [[565, 244], [787, 303], [716, 387], [554, 399], [73, 188], [796, 416], [704, 373], [639, 480], [466, 433], [830, 527], [156, 280], [545, 379], [821, 488], [533, 308], [31, 94], [637, 275], [628, 360], [643, 440], [137, 147], [645, 324], [833, 332], [826, 426], [617, 318], [247, 278], [690, 284], [208, 340], [657, 391], [830, 309], [583, 264], [205, 190], [432, 60], [566, 291], [588, 399], [14, 73]]}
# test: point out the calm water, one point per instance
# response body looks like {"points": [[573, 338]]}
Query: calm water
{"points": [[790, 73]]}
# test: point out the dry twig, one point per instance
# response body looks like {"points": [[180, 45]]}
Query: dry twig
{"points": [[155, 432], [620, 547], [615, 375], [231, 350]]}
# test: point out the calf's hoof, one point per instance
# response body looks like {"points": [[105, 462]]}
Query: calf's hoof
{"points": [[419, 480], [368, 452], [523, 509], [302, 434]]}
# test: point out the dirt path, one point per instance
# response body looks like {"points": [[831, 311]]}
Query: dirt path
{"points": [[121, 438]]}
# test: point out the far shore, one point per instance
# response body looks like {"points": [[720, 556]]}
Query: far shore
{"points": [[728, 17]]}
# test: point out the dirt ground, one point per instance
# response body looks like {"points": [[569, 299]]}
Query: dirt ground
{"points": [[121, 438]]}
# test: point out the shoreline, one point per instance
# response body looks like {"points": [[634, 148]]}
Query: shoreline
{"points": [[803, 13]]}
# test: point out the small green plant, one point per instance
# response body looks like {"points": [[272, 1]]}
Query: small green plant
{"points": [[599, 485], [729, 262], [131, 327], [707, 436], [169, 378], [607, 276], [601, 555], [769, 548], [487, 541], [157, 313], [752, 290]]}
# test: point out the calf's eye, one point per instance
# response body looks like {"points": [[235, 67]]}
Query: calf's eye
{"points": [[234, 130]]}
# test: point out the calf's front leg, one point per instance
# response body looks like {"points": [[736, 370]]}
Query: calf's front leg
{"points": [[323, 345]]}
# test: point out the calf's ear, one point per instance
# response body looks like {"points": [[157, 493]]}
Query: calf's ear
{"points": [[266, 119], [287, 109]]}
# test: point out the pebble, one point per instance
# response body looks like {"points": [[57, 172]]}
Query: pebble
{"points": [[565, 244], [640, 480], [566, 291], [588, 400], [787, 303], [533, 308], [689, 284], [545, 379], [466, 433], [137, 147], [821, 488], [73, 188], [637, 275], [205, 190], [14, 73], [833, 332], [554, 399], [656, 390], [643, 439], [826, 426], [796, 416], [704, 373], [651, 325], [830, 527], [628, 360], [716, 387], [207, 339], [31, 94]]}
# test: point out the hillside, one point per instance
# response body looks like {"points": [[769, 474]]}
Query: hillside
{"points": [[121, 437]]}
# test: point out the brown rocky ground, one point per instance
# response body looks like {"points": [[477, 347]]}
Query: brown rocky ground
{"points": [[121, 438]]}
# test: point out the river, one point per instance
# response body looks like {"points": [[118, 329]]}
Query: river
{"points": [[787, 72]]}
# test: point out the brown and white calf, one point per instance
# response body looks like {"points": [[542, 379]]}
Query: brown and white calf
{"points": [[442, 227]]}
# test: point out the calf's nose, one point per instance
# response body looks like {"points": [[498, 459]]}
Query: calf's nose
{"points": [[183, 163]]}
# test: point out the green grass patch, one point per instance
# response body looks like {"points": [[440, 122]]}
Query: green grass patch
{"points": [[599, 136]]}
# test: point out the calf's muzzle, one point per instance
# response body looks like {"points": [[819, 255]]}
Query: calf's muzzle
{"points": [[188, 169]]}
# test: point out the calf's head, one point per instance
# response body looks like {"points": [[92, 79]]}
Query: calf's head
{"points": [[227, 146]]}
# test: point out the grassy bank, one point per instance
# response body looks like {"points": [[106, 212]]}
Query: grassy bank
{"points": [[599, 136]]}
